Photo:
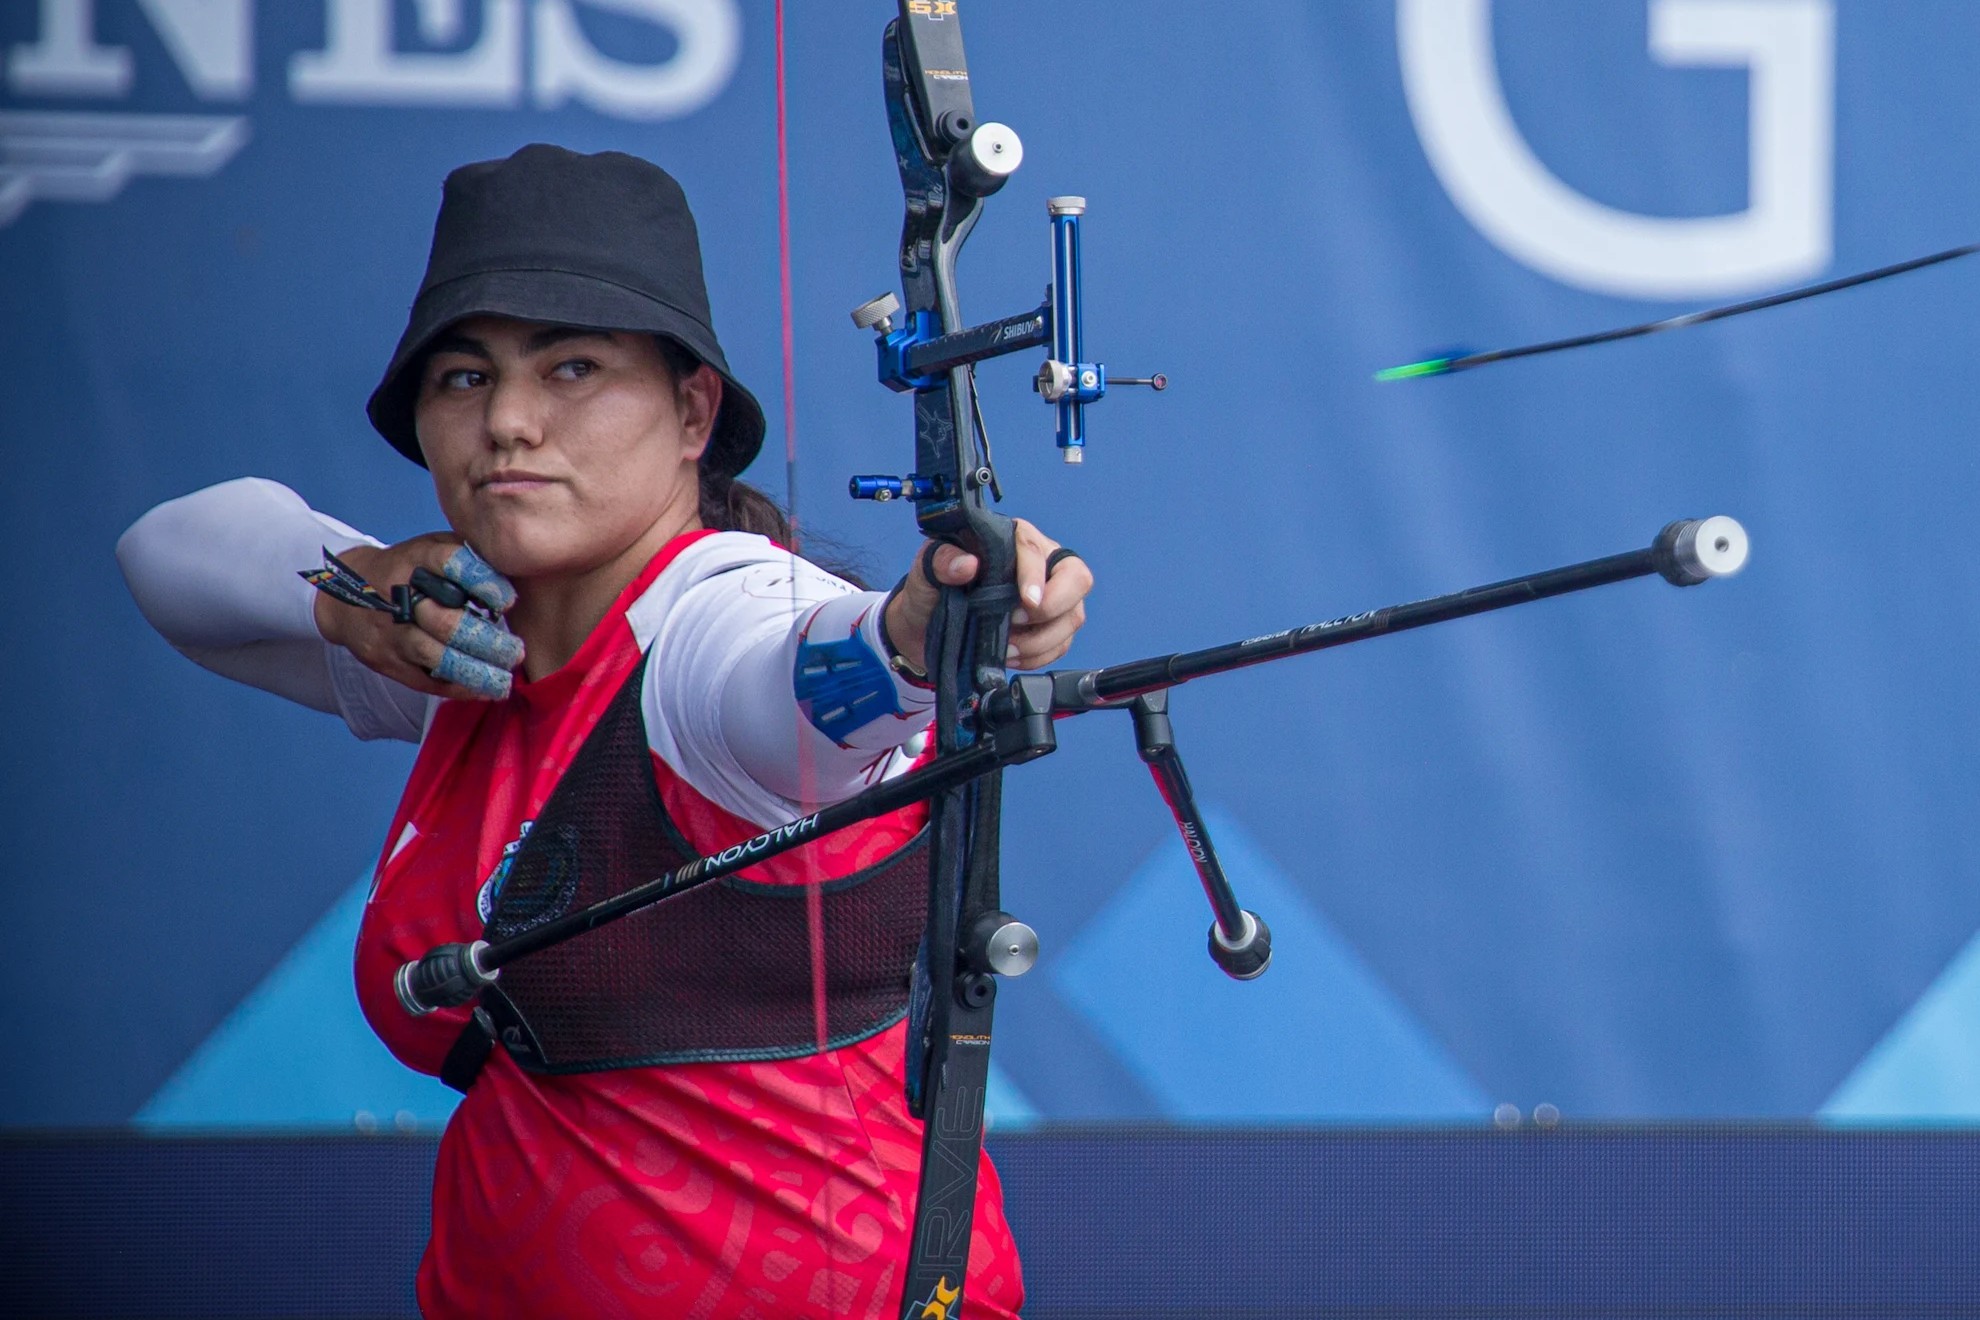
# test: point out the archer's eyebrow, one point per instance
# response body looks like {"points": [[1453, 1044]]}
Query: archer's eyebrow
{"points": [[548, 337], [460, 344], [557, 334]]}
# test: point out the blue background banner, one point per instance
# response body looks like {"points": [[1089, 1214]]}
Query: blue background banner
{"points": [[1636, 854]]}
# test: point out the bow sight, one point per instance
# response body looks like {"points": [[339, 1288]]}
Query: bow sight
{"points": [[948, 165], [914, 355]]}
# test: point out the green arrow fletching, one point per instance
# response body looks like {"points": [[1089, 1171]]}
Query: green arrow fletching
{"points": [[1427, 367]]}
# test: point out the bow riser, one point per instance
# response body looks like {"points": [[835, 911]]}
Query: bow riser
{"points": [[930, 114]]}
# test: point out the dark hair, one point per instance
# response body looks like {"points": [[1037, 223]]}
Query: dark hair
{"points": [[728, 505]]}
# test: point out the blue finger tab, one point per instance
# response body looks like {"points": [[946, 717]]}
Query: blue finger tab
{"points": [[842, 686], [482, 581], [477, 676], [477, 637]]}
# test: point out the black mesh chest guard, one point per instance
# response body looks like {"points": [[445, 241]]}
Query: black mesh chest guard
{"points": [[720, 972]]}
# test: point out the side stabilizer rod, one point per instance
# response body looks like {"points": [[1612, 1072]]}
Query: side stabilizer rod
{"points": [[1240, 941], [1015, 725], [1686, 553]]}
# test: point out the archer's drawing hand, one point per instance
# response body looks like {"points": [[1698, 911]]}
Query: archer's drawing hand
{"points": [[1052, 607], [459, 654]]}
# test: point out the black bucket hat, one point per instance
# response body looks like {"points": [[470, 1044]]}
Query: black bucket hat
{"points": [[602, 242]]}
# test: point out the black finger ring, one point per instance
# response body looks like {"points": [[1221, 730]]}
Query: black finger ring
{"points": [[426, 585], [1063, 552], [444, 592]]}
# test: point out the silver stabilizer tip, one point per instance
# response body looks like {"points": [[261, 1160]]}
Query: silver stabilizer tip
{"points": [[996, 149], [402, 987], [1012, 949], [1713, 547]]}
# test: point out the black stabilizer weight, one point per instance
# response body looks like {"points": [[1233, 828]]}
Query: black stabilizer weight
{"points": [[443, 978], [1247, 958]]}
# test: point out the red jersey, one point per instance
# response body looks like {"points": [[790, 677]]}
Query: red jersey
{"points": [[775, 1189]]}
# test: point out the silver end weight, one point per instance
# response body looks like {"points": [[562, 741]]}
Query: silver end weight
{"points": [[1695, 550], [982, 161], [998, 942]]}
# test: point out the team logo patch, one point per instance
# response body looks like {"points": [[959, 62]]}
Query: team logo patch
{"points": [[491, 888]]}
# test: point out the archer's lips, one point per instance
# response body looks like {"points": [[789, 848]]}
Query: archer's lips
{"points": [[514, 480]]}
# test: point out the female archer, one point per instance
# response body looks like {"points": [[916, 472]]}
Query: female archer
{"points": [[697, 1111]]}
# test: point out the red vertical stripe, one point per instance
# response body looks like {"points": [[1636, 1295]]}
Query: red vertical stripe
{"points": [[814, 897]]}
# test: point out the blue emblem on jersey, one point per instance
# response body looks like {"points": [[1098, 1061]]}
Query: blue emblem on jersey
{"points": [[842, 686], [491, 889]]}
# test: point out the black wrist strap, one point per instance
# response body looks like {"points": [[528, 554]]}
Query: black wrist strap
{"points": [[897, 662]]}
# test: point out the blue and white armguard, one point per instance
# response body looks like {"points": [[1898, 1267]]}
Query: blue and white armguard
{"points": [[843, 685]]}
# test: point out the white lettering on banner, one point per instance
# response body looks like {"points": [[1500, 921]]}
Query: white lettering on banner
{"points": [[358, 62], [212, 42], [67, 61], [1451, 81], [91, 156], [567, 65]]}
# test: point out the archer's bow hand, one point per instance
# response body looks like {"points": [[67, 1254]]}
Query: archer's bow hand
{"points": [[1052, 591]]}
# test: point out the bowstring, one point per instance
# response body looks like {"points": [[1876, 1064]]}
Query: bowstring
{"points": [[807, 772], [811, 863]]}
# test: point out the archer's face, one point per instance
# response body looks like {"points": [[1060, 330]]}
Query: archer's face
{"points": [[556, 451]]}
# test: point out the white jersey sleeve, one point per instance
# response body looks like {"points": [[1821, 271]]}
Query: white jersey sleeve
{"points": [[215, 572], [724, 625]]}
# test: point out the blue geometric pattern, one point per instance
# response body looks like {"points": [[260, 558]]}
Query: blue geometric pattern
{"points": [[1317, 1037], [1644, 853], [297, 1053], [1926, 1069]]}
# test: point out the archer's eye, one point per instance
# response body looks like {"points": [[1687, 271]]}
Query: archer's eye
{"points": [[574, 369], [460, 378]]}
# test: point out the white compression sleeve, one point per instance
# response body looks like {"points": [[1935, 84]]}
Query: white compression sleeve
{"points": [[215, 572], [726, 622]]}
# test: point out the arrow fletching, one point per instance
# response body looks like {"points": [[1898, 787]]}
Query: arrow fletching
{"points": [[1444, 366], [1438, 366]]}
